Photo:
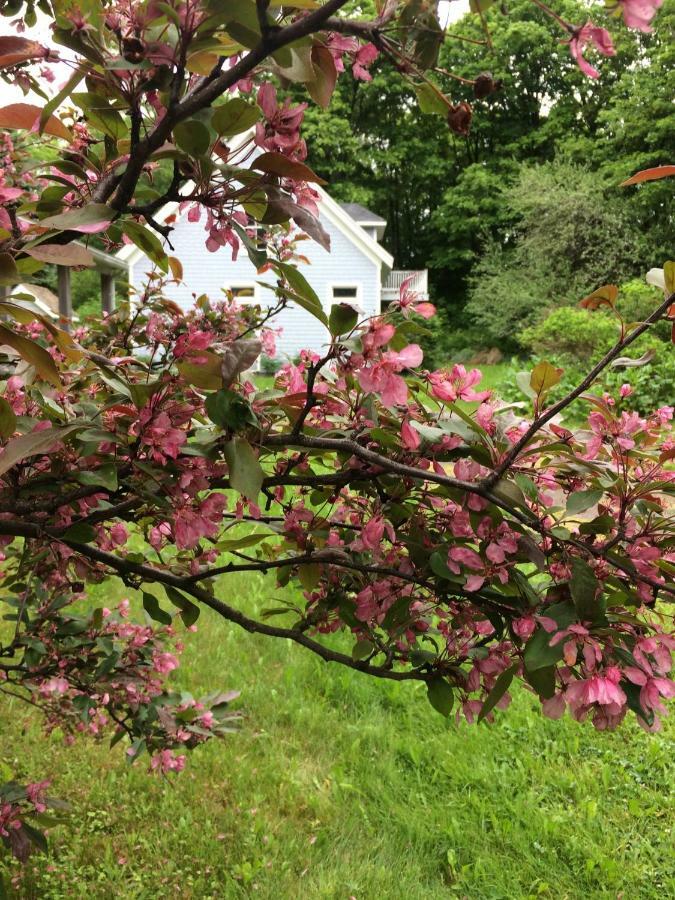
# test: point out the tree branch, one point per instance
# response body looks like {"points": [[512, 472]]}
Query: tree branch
{"points": [[545, 417]]}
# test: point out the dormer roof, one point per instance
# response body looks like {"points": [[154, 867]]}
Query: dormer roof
{"points": [[366, 218]]}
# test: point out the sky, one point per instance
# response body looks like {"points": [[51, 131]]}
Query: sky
{"points": [[449, 12]]}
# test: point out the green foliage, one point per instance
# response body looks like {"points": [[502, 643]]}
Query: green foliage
{"points": [[568, 237], [446, 197], [571, 335], [652, 384], [574, 338], [269, 365]]}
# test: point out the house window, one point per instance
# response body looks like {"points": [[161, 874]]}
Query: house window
{"points": [[243, 293], [346, 293]]}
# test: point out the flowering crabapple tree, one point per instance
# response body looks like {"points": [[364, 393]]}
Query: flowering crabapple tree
{"points": [[456, 541]]}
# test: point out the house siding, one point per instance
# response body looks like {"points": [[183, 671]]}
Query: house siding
{"points": [[210, 273]]}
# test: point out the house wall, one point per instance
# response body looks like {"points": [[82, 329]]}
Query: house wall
{"points": [[209, 273]]}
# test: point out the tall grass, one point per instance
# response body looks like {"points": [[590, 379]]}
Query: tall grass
{"points": [[341, 787]]}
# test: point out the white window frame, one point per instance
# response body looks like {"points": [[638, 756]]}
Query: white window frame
{"points": [[358, 300]]}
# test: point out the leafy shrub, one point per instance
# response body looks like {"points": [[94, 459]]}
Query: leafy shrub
{"points": [[270, 365], [447, 340], [571, 334], [572, 338]]}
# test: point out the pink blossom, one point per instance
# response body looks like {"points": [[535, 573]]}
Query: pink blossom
{"points": [[599, 38], [466, 557], [602, 689], [159, 434], [410, 437], [36, 795], [281, 131], [651, 688], [382, 378], [193, 523], [166, 761], [364, 58], [338, 45], [554, 707], [457, 385], [164, 663], [639, 13], [379, 334], [192, 342], [409, 299]]}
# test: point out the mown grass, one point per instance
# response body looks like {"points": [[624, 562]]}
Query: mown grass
{"points": [[338, 786]]}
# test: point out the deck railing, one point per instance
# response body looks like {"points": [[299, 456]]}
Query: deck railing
{"points": [[395, 278]]}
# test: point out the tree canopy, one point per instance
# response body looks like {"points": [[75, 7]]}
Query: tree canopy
{"points": [[458, 541]]}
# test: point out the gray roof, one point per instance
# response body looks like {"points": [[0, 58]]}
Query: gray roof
{"points": [[361, 214]]}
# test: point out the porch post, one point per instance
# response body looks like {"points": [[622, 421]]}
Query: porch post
{"points": [[107, 292], [65, 297]]}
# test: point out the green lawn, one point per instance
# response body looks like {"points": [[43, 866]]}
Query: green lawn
{"points": [[341, 787]]}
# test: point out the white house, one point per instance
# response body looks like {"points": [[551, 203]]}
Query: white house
{"points": [[357, 270]]}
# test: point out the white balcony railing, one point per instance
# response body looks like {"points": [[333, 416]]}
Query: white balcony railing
{"points": [[393, 281]]}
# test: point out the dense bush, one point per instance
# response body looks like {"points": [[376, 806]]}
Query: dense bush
{"points": [[570, 236], [573, 338]]}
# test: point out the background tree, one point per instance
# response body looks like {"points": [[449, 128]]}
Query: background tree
{"points": [[565, 235]]}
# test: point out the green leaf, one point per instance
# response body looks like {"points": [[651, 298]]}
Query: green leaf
{"points": [[193, 137], [544, 376], [538, 652], [362, 649], [482, 6], [500, 687], [248, 540], [33, 444], [669, 276], [206, 374], [80, 533], [527, 486], [542, 680], [278, 164], [9, 274], [146, 241], [309, 576], [342, 319], [245, 472], [36, 837], [105, 475], [101, 116], [585, 589], [441, 696], [33, 353], [632, 692], [230, 410], [235, 117], [523, 382], [189, 611], [430, 100], [88, 219], [154, 610], [58, 99], [580, 501], [305, 295], [7, 419]]}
